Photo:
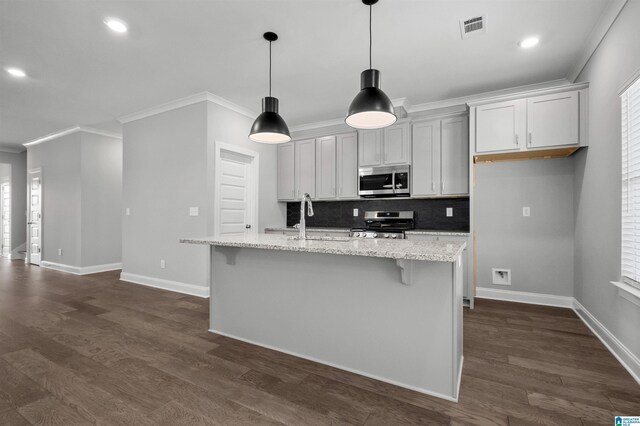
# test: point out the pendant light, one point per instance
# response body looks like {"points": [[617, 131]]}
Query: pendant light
{"points": [[269, 127], [371, 108]]}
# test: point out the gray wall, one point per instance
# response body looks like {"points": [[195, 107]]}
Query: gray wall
{"points": [[81, 198], [18, 164], [598, 182], [168, 167], [61, 215], [101, 198], [164, 173], [538, 249]]}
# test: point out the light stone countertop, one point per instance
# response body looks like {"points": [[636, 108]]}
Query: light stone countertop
{"points": [[347, 230], [436, 251], [309, 229]]}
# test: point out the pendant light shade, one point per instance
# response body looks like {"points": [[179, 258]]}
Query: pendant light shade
{"points": [[270, 127], [371, 108]]}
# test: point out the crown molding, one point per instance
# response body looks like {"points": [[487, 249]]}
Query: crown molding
{"points": [[11, 149], [596, 36], [70, 130], [526, 92], [317, 125], [186, 101]]}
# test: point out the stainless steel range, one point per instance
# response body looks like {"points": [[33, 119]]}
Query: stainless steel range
{"points": [[387, 224]]}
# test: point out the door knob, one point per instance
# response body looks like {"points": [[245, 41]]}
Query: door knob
{"points": [[247, 226]]}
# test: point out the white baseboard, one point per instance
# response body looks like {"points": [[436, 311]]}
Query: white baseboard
{"points": [[78, 270], [351, 370], [178, 287], [628, 360], [524, 297]]}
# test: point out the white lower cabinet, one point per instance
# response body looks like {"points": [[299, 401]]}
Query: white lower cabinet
{"points": [[440, 157]]}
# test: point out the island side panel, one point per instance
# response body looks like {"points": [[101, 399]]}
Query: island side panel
{"points": [[351, 312]]}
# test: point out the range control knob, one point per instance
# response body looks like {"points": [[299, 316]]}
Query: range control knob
{"points": [[394, 236], [386, 235], [374, 235]]}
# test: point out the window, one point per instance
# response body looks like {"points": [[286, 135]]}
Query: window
{"points": [[631, 185]]}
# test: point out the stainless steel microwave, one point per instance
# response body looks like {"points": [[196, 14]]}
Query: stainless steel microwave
{"points": [[384, 181]]}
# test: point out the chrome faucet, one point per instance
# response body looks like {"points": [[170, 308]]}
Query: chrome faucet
{"points": [[303, 222]]}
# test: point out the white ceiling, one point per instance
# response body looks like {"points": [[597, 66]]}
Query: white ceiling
{"points": [[80, 73]]}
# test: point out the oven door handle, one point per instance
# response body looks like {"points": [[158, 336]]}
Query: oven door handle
{"points": [[393, 181]]}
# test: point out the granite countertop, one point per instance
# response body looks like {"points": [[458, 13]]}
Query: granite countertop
{"points": [[436, 251], [412, 232], [440, 233], [309, 229]]}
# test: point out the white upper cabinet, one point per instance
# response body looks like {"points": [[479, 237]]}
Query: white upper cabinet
{"points": [[305, 168], [388, 146], [396, 144], [440, 164], [347, 165], [455, 156], [369, 147], [326, 168], [553, 120], [426, 158], [500, 126], [286, 171]]}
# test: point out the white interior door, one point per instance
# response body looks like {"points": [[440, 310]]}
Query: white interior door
{"points": [[35, 217], [236, 191], [5, 219]]}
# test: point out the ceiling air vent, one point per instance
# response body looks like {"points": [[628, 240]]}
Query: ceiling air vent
{"points": [[473, 26]]}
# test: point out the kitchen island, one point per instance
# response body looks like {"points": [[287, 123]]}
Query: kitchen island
{"points": [[389, 310]]}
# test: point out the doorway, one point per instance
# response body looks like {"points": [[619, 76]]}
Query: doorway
{"points": [[5, 219], [34, 225], [236, 190]]}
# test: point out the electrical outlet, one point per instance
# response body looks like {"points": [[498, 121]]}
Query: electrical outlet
{"points": [[355, 212], [501, 276], [59, 252], [127, 211], [194, 211], [162, 264], [526, 211], [449, 211]]}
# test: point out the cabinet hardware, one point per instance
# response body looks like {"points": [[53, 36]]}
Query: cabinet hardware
{"points": [[442, 186], [433, 186], [516, 139], [530, 138]]}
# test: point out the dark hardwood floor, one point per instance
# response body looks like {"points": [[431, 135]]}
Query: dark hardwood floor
{"points": [[95, 350]]}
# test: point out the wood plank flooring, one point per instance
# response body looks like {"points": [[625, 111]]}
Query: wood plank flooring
{"points": [[95, 350]]}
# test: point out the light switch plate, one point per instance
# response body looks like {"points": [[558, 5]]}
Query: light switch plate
{"points": [[526, 211], [162, 264], [194, 211], [355, 212], [449, 211]]}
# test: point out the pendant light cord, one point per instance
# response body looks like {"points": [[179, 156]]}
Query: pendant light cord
{"points": [[370, 36], [269, 69]]}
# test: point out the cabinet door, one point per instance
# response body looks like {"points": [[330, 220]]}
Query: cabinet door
{"points": [[369, 147], [455, 156], [347, 163], [425, 171], [326, 167], [500, 127], [553, 120], [286, 174], [397, 144], [305, 168]]}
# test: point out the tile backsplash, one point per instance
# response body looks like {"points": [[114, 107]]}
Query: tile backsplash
{"points": [[429, 213]]}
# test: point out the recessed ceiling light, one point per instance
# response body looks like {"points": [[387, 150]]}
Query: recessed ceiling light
{"points": [[16, 72], [529, 42], [116, 25]]}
